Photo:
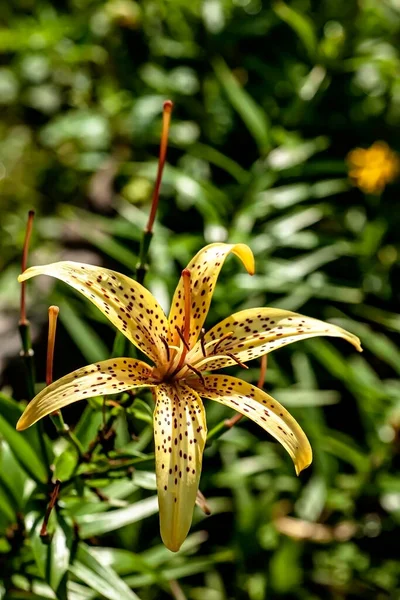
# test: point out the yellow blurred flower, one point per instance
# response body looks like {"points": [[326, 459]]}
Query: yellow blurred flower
{"points": [[372, 168]]}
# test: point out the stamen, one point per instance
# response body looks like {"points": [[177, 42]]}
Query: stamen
{"points": [[53, 314], [203, 362], [28, 232], [224, 337], [179, 332], [233, 357], [198, 373], [167, 110], [203, 348], [164, 341]]}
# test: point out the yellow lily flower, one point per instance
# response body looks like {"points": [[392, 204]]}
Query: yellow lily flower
{"points": [[371, 169], [182, 354]]}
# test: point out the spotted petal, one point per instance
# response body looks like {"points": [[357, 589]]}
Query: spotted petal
{"points": [[180, 432], [263, 410], [204, 269], [128, 305], [257, 331], [106, 377]]}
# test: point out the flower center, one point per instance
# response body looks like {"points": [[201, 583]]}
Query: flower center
{"points": [[183, 361]]}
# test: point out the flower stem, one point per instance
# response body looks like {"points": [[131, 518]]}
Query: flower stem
{"points": [[64, 430], [50, 506], [120, 343], [56, 417], [148, 231], [24, 325]]}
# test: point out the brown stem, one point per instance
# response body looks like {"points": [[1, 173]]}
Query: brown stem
{"points": [[22, 318], [167, 110], [50, 506]]}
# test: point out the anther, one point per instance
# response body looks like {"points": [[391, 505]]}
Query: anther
{"points": [[222, 339], [198, 373], [233, 357], [164, 341], [203, 348], [181, 335]]}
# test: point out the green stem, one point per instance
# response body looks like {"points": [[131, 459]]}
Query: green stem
{"points": [[217, 431], [28, 354], [143, 266], [120, 346], [64, 430]]}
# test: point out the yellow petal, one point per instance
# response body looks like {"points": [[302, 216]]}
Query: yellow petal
{"points": [[128, 305], [258, 331], [106, 377], [261, 408], [204, 269], [180, 433]]}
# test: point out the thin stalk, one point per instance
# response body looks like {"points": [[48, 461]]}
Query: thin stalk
{"points": [[120, 347], [24, 325], [50, 506], [148, 231], [56, 416], [27, 352]]}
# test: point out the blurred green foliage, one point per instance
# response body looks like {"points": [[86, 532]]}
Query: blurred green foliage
{"points": [[269, 98]]}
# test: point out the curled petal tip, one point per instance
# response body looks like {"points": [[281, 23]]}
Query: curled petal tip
{"points": [[21, 424], [172, 545], [303, 465], [246, 256]]}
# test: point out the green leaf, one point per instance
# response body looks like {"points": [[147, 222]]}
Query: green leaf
{"points": [[88, 425], [11, 411], [303, 397], [99, 576], [84, 336], [65, 464], [378, 343], [253, 115], [344, 448], [285, 580], [301, 25], [52, 557], [188, 568], [141, 410], [90, 525], [23, 451]]}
